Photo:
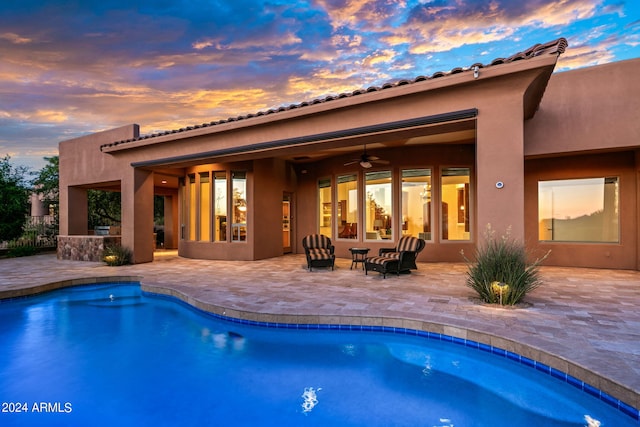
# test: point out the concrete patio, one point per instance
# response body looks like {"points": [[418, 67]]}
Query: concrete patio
{"points": [[584, 322]]}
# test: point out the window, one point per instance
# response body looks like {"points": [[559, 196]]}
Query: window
{"points": [[192, 207], [455, 204], [378, 205], [579, 210], [239, 225], [183, 207], [220, 206], [416, 203], [324, 202], [347, 207], [205, 207]]}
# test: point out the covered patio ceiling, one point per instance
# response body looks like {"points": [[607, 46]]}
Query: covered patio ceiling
{"points": [[462, 131]]}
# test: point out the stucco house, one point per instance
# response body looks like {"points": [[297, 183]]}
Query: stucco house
{"points": [[552, 157]]}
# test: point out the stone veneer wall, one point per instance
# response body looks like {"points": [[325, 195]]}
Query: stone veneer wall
{"points": [[85, 248]]}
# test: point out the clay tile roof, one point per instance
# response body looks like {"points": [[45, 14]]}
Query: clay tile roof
{"points": [[556, 47]]}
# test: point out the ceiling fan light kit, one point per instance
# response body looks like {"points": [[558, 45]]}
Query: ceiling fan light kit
{"points": [[367, 161]]}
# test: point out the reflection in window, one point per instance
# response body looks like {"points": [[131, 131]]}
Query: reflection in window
{"points": [[416, 203], [378, 205], [220, 206], [455, 204], [579, 210], [347, 207], [324, 202], [239, 225], [192, 207], [205, 207]]}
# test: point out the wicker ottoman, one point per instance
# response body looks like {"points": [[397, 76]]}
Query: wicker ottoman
{"points": [[382, 265]]}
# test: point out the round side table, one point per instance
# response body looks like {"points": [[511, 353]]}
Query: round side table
{"points": [[358, 255]]}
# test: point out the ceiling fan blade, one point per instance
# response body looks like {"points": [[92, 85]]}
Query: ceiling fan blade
{"points": [[366, 160], [379, 161]]}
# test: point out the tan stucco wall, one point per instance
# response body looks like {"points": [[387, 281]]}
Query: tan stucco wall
{"points": [[595, 108], [499, 92], [598, 255], [81, 162], [267, 179], [590, 110], [83, 166]]}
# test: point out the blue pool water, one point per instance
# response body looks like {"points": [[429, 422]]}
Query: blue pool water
{"points": [[112, 355]]}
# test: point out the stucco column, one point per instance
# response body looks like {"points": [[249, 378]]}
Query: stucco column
{"points": [[137, 214], [500, 168], [74, 219]]}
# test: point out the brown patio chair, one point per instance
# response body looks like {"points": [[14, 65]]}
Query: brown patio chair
{"points": [[319, 251]]}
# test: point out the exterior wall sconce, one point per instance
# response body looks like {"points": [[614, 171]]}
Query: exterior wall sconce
{"points": [[476, 71]]}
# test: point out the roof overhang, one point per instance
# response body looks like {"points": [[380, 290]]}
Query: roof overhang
{"points": [[457, 119]]}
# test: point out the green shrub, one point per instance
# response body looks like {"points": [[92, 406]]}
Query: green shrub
{"points": [[117, 255], [500, 273], [18, 251]]}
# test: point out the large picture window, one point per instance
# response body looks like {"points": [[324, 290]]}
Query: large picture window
{"points": [[183, 207], [205, 207], [378, 205], [220, 206], [192, 207], [326, 207], [206, 203], [455, 203], [239, 225], [416, 203], [347, 208], [579, 210]]}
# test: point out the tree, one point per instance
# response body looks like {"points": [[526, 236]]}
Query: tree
{"points": [[104, 208], [47, 184], [14, 199]]}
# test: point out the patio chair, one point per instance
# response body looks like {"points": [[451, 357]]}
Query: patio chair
{"points": [[319, 251], [401, 259]]}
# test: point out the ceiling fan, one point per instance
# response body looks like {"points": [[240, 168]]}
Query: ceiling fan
{"points": [[367, 161]]}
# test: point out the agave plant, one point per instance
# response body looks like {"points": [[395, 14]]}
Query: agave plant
{"points": [[501, 273]]}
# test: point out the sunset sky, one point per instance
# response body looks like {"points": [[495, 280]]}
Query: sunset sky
{"points": [[68, 68]]}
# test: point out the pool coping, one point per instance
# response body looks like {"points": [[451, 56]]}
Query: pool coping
{"points": [[619, 396]]}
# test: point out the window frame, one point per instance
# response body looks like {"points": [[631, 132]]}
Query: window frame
{"points": [[586, 216]]}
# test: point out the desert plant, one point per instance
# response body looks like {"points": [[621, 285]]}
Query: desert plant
{"points": [[501, 273], [117, 255]]}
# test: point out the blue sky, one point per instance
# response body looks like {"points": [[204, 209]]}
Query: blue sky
{"points": [[69, 68]]}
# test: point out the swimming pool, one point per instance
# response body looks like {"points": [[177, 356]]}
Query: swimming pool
{"points": [[111, 354]]}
